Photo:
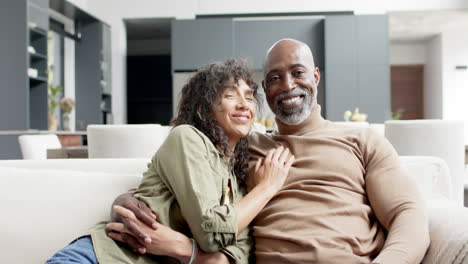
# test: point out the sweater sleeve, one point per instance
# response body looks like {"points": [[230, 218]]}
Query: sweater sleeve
{"points": [[396, 201], [185, 164]]}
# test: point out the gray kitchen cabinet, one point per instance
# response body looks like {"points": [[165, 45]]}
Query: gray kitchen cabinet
{"points": [[372, 39], [356, 58], [198, 42], [38, 13], [23, 95], [93, 89], [374, 92], [373, 67], [341, 90], [254, 37], [351, 52], [340, 40]]}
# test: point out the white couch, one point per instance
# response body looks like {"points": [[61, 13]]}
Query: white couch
{"points": [[432, 137], [46, 204]]}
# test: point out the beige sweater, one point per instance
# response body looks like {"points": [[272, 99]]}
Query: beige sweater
{"points": [[346, 199]]}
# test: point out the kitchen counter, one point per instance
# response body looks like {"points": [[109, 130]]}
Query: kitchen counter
{"points": [[36, 132]]}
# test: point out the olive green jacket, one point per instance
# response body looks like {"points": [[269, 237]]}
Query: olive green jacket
{"points": [[186, 186]]}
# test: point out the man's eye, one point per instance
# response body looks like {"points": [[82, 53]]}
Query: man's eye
{"points": [[298, 73], [274, 78], [250, 99]]}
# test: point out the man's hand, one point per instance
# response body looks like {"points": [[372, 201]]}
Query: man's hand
{"points": [[136, 237]]}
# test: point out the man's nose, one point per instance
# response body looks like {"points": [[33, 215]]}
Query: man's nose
{"points": [[290, 84]]}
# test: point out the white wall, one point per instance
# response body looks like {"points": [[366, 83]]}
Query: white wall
{"points": [[407, 54], [83, 4], [455, 82], [114, 11], [433, 84]]}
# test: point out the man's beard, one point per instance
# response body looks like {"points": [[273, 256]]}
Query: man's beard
{"points": [[296, 115]]}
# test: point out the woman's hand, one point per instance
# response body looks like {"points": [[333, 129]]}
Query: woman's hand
{"points": [[164, 240], [263, 184], [273, 170]]}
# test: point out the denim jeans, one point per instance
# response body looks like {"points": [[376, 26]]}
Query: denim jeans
{"points": [[79, 251]]}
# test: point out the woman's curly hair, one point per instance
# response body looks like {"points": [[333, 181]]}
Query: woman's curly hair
{"points": [[198, 99]]}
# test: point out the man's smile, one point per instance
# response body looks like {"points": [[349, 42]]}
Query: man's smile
{"points": [[292, 101]]}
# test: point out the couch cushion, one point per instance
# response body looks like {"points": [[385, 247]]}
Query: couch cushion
{"points": [[449, 235], [43, 210]]}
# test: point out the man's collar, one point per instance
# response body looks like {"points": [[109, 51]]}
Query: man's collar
{"points": [[313, 122]]}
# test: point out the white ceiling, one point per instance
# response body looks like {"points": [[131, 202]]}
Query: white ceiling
{"points": [[419, 26]]}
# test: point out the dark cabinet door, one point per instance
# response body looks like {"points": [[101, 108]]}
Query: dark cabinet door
{"points": [[14, 92], [373, 67], [254, 37], [341, 63], [198, 42], [358, 70], [88, 76]]}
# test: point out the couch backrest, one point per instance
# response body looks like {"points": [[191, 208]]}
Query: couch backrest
{"points": [[120, 166]]}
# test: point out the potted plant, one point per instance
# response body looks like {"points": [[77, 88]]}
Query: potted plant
{"points": [[66, 105], [354, 116], [53, 93]]}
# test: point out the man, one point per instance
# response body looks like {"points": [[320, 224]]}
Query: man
{"points": [[346, 199]]}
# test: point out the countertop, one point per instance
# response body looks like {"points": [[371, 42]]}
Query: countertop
{"points": [[36, 132]]}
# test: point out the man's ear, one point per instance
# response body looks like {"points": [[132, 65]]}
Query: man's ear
{"points": [[317, 76]]}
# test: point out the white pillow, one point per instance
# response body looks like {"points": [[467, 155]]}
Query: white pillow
{"points": [[43, 210]]}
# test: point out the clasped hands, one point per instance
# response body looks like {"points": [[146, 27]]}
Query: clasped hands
{"points": [[133, 223]]}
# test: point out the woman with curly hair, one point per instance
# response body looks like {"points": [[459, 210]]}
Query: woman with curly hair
{"points": [[196, 181]]}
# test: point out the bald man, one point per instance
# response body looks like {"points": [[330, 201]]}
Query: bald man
{"points": [[346, 199]]}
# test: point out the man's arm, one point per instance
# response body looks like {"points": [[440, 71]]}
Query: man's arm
{"points": [[396, 202]]}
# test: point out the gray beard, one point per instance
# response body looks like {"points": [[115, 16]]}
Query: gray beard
{"points": [[296, 115]]}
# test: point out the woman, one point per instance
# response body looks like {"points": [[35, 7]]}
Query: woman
{"points": [[195, 181]]}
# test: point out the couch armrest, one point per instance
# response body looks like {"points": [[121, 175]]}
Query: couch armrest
{"points": [[448, 226]]}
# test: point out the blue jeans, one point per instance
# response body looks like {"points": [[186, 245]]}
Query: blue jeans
{"points": [[80, 251]]}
